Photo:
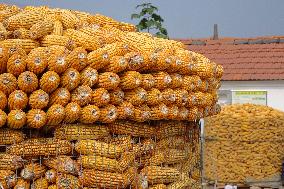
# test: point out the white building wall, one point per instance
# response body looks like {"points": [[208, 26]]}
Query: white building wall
{"points": [[274, 88]]}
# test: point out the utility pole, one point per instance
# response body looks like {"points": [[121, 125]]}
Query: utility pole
{"points": [[215, 34]]}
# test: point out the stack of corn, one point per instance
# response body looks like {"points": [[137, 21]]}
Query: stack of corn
{"points": [[62, 70], [244, 143]]}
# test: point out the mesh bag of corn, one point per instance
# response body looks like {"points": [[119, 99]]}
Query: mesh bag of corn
{"points": [[244, 143], [86, 101]]}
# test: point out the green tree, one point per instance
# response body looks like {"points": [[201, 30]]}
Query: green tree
{"points": [[150, 21]]}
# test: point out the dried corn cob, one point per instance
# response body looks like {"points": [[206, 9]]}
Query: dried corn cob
{"points": [[135, 61], [73, 111], [89, 77], [50, 40], [38, 99], [154, 97], [162, 80], [68, 19], [175, 64], [41, 29], [169, 96], [177, 80], [60, 96], [148, 81], [3, 118], [10, 162], [93, 178], [70, 79], [130, 80], [193, 113], [173, 112], [137, 96], [16, 119], [93, 147], [98, 59], [57, 28], [27, 82], [183, 113], [170, 128], [8, 12], [22, 184], [181, 97], [63, 164], [116, 64], [37, 60], [7, 179], [51, 175], [160, 175], [191, 100], [40, 183], [81, 131], [82, 95], [41, 146], [52, 186], [67, 181], [3, 100], [125, 110], [21, 33], [132, 128], [176, 142], [55, 114], [77, 59], [83, 40], [108, 80], [141, 113], [26, 44], [16, 64], [17, 100], [100, 97], [169, 156], [159, 112], [57, 62], [4, 56], [8, 83], [9, 136], [36, 118], [159, 61], [33, 171], [98, 163], [116, 96], [24, 19], [16, 50], [89, 114], [49, 81], [108, 114]]}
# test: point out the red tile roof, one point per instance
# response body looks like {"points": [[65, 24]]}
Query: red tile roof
{"points": [[259, 58]]}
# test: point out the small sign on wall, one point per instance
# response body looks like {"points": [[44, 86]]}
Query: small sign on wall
{"points": [[253, 97]]}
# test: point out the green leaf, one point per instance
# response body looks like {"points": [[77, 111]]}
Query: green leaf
{"points": [[143, 5], [149, 11], [134, 16], [157, 17], [151, 23], [143, 23], [164, 31]]}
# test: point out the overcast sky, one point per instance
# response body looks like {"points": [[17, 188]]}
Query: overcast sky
{"points": [[188, 18]]}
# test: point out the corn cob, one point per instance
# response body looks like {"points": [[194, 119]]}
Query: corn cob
{"points": [[135, 61], [27, 82], [9, 136], [3, 118], [80, 131], [89, 77], [40, 183], [51, 175], [127, 27], [50, 40], [49, 81], [159, 186], [4, 56], [52, 186], [125, 110], [3, 100], [93, 178], [68, 19], [89, 114], [146, 147], [176, 142], [16, 119], [63, 164], [24, 19], [183, 113], [36, 118], [141, 113], [116, 64], [16, 64], [57, 28], [16, 50], [159, 61], [57, 62], [55, 114], [108, 114], [177, 80], [181, 97], [130, 80], [170, 128], [173, 112], [159, 112], [154, 97], [191, 100], [17, 100], [160, 175], [82, 95], [148, 81], [108, 80], [70, 79], [99, 58], [7, 179], [137, 96], [67, 181], [22, 184], [162, 80], [8, 12], [41, 29], [99, 163], [125, 142], [38, 99], [77, 59], [8, 83], [83, 40], [41, 146], [102, 20], [10, 162], [94, 147], [100, 97], [37, 60], [116, 96], [21, 33], [170, 156], [169, 96], [26, 44], [73, 111], [33, 171]]}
